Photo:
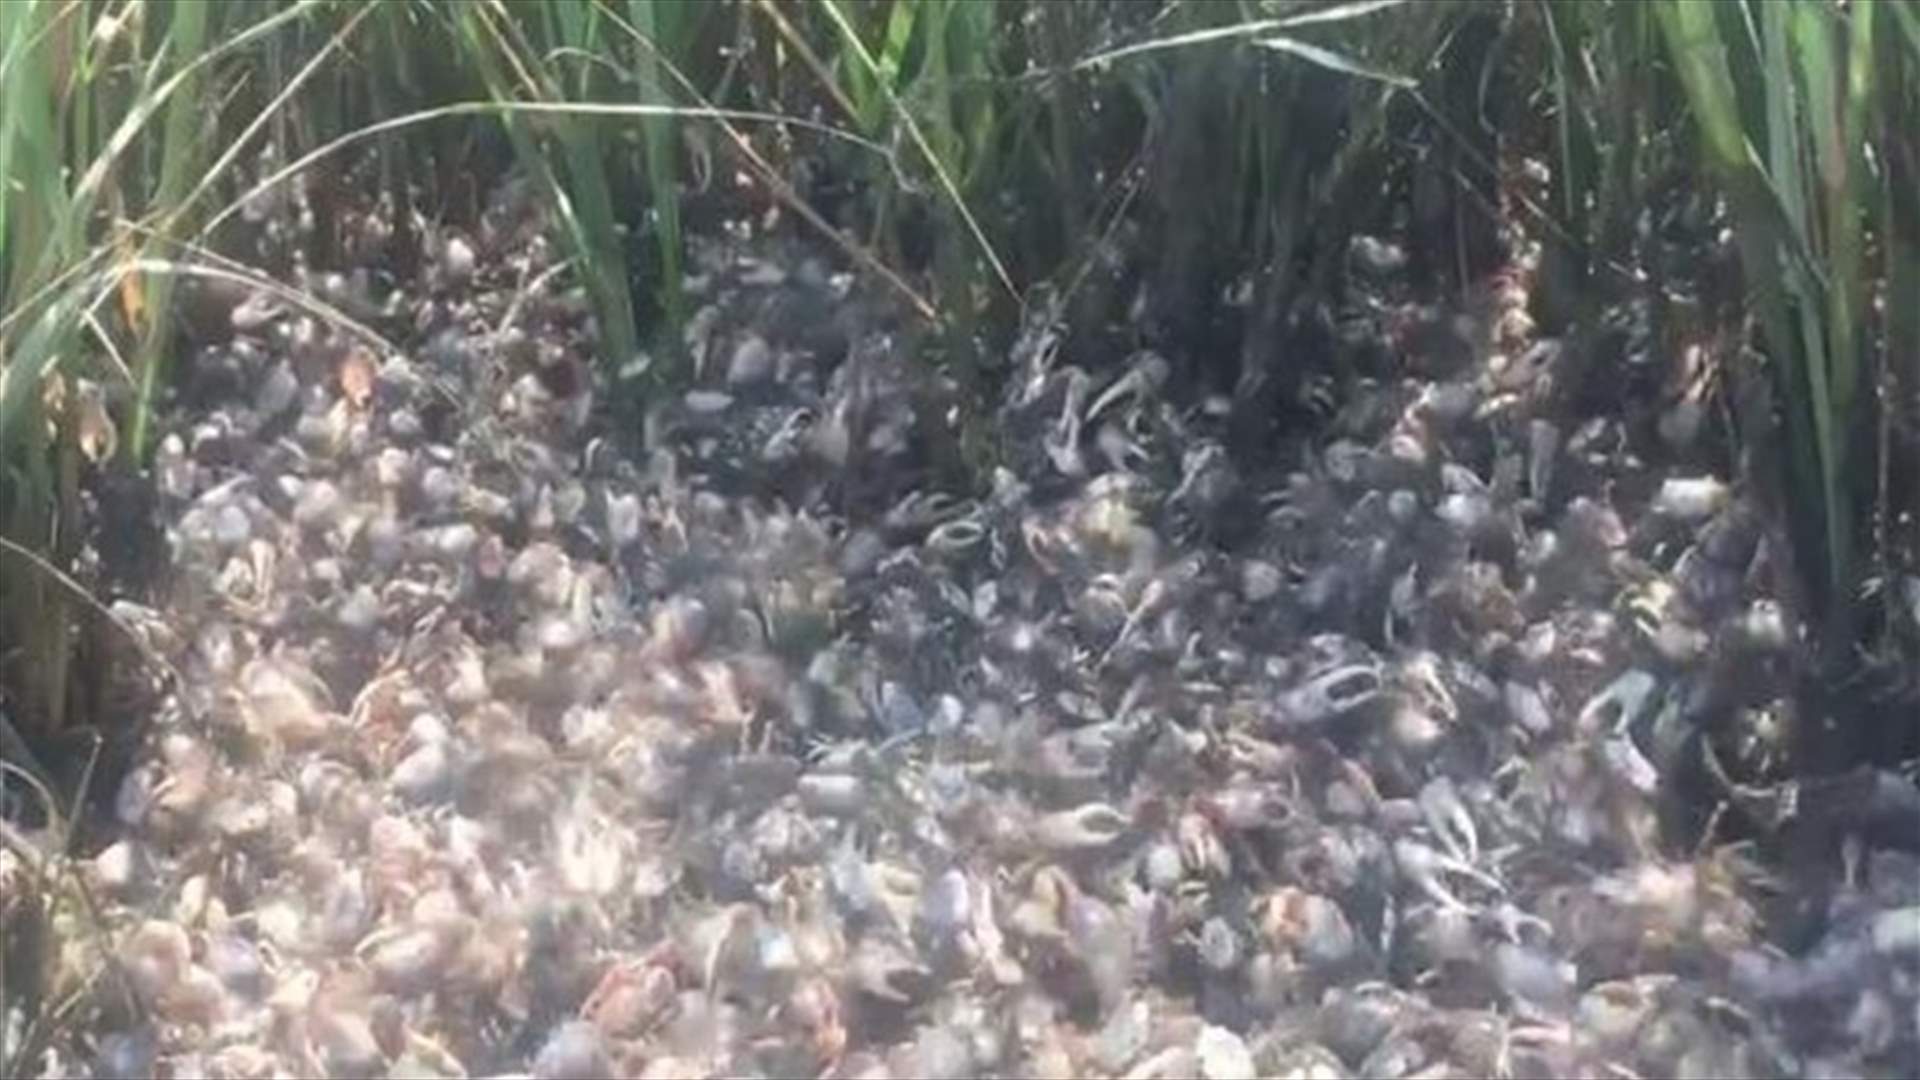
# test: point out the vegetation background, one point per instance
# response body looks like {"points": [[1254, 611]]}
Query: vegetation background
{"points": [[1748, 172]]}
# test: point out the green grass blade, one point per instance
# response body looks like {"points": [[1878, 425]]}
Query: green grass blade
{"points": [[502, 107], [1249, 29], [1563, 114], [1846, 222], [17, 90], [1831, 312], [36, 193], [919, 138], [1701, 60], [1783, 133], [979, 131], [179, 151], [657, 135], [1333, 13], [1333, 61]]}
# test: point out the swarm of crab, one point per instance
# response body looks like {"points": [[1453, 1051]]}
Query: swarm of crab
{"points": [[507, 743]]}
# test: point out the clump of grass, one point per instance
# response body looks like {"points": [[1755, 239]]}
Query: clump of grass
{"points": [[102, 157], [872, 80], [670, 28], [1783, 96], [514, 51]]}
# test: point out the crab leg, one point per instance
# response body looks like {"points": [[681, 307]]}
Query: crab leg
{"points": [[1447, 815], [1423, 866]]}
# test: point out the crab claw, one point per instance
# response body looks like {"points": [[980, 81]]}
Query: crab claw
{"points": [[1146, 375], [1628, 765], [1616, 706], [1514, 921], [1330, 695], [1447, 816], [1062, 445], [1089, 825]]}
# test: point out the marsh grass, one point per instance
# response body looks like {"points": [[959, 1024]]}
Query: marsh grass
{"points": [[1786, 99]]}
